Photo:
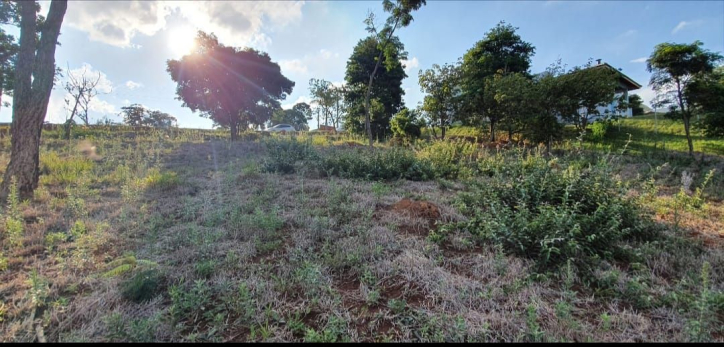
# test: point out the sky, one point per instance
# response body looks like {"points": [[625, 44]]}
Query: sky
{"points": [[129, 42]]}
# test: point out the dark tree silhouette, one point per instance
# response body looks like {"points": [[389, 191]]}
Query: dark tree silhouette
{"points": [[234, 87]]}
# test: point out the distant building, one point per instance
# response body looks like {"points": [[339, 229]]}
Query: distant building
{"points": [[625, 85]]}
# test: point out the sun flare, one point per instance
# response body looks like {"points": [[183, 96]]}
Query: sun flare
{"points": [[181, 40]]}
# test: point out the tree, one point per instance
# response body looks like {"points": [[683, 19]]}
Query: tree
{"points": [[33, 81], [406, 124], [673, 67], [400, 16], [387, 90], [513, 97], [235, 87], [442, 84], [133, 115], [706, 94], [304, 108], [293, 117], [542, 125], [340, 107], [636, 104], [158, 119], [583, 91], [323, 95], [137, 115], [502, 51], [81, 89]]}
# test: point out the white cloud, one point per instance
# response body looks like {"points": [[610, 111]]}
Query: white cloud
{"points": [[239, 23], [236, 23], [304, 99], [684, 24], [326, 54], [133, 85], [116, 22], [639, 60], [294, 65], [104, 84], [410, 64]]}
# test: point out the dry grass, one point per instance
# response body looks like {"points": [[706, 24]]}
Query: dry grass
{"points": [[252, 256]]}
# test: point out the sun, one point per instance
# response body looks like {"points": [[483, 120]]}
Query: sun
{"points": [[181, 40]]}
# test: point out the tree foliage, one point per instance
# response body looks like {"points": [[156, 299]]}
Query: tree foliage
{"points": [[139, 116], [442, 86], [235, 87], [400, 16], [636, 104], [501, 51], [674, 66], [293, 117], [387, 90], [406, 124]]}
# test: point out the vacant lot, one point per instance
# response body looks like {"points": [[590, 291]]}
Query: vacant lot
{"points": [[177, 237]]}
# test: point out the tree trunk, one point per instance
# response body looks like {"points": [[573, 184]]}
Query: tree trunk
{"points": [[686, 116], [234, 130], [34, 74], [492, 131], [442, 130], [368, 123]]}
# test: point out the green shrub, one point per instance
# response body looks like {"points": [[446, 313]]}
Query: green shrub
{"points": [[536, 209], [449, 159], [599, 129], [375, 165], [283, 154], [143, 286], [162, 180], [406, 125]]}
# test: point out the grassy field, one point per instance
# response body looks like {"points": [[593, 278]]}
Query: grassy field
{"points": [[185, 236], [652, 136]]}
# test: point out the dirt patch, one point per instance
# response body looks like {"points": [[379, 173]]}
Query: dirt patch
{"points": [[415, 217], [421, 209]]}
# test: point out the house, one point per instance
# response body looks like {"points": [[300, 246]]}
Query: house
{"points": [[625, 85]]}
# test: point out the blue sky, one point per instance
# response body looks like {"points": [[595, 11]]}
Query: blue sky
{"points": [[129, 42]]}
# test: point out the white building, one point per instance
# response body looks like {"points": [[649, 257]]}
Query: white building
{"points": [[625, 85]]}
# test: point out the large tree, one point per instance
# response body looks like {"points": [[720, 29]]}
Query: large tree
{"points": [[294, 117], [501, 51], [387, 89], [138, 115], [674, 66], [322, 92], [235, 87], [706, 93], [442, 86], [584, 90], [400, 17], [33, 81], [637, 105]]}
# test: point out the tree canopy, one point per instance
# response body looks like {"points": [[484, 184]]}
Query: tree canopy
{"points": [[235, 87], [387, 90], [674, 66]]}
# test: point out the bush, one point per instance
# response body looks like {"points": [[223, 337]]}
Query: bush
{"points": [[143, 286], [395, 163], [449, 159], [283, 154], [599, 129], [536, 209], [406, 125]]}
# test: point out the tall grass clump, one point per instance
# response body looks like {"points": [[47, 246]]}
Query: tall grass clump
{"points": [[64, 170], [449, 159], [540, 209]]}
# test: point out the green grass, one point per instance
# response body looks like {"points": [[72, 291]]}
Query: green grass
{"points": [[648, 134]]}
